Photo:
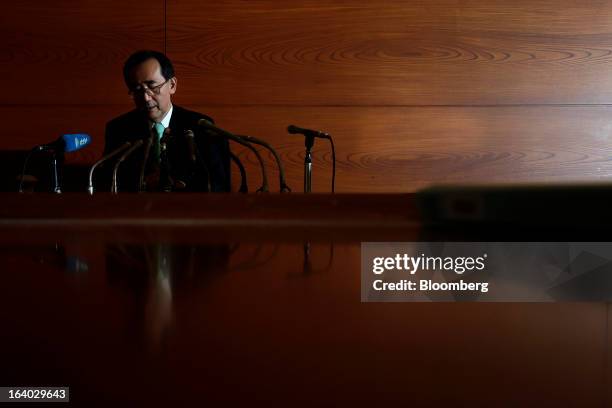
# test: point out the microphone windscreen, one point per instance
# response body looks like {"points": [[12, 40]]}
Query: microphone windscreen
{"points": [[293, 129], [73, 142], [205, 122]]}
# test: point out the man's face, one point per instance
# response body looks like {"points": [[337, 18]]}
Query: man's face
{"points": [[149, 97]]}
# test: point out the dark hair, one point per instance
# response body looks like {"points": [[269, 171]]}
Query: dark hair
{"points": [[137, 58]]}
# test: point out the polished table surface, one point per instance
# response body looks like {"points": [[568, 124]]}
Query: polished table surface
{"points": [[237, 300]]}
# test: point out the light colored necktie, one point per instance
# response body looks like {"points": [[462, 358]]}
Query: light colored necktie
{"points": [[159, 130]]}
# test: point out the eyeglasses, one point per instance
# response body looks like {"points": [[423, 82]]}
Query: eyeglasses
{"points": [[151, 91]]}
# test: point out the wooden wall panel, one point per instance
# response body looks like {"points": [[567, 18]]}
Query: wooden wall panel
{"points": [[380, 148], [70, 52], [445, 52], [401, 149], [34, 125], [414, 93], [61, 67]]}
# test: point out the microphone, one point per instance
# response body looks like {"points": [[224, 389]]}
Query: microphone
{"points": [[307, 132], [284, 188], [135, 145], [66, 143], [309, 143], [163, 142], [165, 181], [147, 152], [193, 154], [208, 125], [244, 187], [191, 147], [90, 188]]}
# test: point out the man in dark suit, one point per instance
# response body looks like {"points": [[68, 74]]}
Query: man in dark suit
{"points": [[176, 154]]}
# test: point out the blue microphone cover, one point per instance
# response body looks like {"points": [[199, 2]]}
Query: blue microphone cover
{"points": [[73, 142]]}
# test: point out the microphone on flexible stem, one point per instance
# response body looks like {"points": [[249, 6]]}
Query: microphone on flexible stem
{"points": [[163, 142], [284, 188], [135, 145], [90, 187], [191, 147], [244, 187], [207, 125], [309, 143], [147, 151], [194, 155], [307, 132], [165, 182], [64, 144], [310, 136]]}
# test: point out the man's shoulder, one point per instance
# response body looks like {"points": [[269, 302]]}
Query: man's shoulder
{"points": [[126, 119], [187, 116]]}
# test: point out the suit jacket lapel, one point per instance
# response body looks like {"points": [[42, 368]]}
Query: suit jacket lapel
{"points": [[141, 129], [176, 120]]}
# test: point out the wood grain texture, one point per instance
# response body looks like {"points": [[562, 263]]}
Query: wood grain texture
{"points": [[381, 149], [384, 149], [306, 323], [72, 52], [446, 52], [372, 74], [38, 124]]}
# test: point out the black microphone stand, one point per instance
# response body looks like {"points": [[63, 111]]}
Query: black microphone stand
{"points": [[238, 139], [284, 188], [244, 187], [90, 186], [136, 145], [56, 184], [309, 143]]}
